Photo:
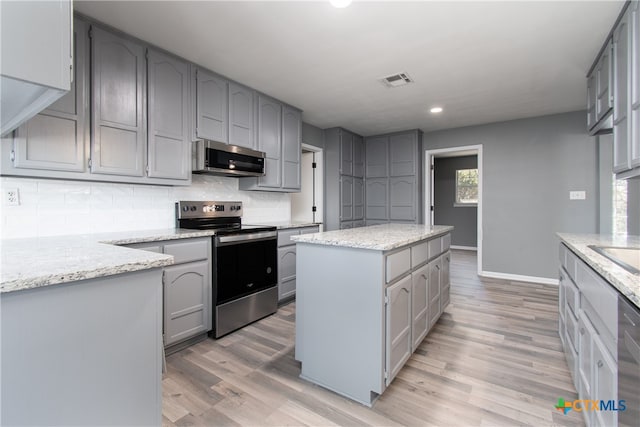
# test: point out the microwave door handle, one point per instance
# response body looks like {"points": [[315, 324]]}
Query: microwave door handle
{"points": [[234, 164]]}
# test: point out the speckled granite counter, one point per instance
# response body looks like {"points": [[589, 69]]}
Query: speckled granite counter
{"points": [[36, 262], [288, 224], [625, 282], [381, 237]]}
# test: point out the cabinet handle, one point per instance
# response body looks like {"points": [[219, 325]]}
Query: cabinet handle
{"points": [[406, 290], [600, 363], [424, 277], [437, 266]]}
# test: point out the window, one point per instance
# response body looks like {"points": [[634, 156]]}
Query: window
{"points": [[466, 187]]}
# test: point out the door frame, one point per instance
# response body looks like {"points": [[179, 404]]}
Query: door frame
{"points": [[318, 181], [428, 186]]}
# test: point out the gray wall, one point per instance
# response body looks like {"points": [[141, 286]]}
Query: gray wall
{"points": [[529, 167], [464, 219], [312, 135]]}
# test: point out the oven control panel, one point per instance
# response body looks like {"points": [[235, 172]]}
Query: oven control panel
{"points": [[200, 209]]}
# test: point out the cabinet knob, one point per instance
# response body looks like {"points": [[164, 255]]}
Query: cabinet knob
{"points": [[581, 331], [600, 363]]}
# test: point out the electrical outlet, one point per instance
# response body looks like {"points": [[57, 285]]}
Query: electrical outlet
{"points": [[577, 195], [12, 197]]}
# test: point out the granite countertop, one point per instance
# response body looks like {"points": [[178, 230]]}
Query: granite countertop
{"points": [[624, 281], [37, 262], [381, 237]]}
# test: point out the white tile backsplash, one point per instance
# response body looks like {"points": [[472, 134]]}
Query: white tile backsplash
{"points": [[53, 207]]}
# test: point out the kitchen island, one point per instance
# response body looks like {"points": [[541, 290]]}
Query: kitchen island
{"points": [[366, 299]]}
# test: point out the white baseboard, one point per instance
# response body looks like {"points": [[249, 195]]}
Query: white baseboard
{"points": [[464, 248], [519, 278]]}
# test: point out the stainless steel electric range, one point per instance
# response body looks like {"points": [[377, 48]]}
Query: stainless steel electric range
{"points": [[244, 265]]}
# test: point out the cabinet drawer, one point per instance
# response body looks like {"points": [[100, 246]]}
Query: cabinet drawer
{"points": [[147, 247], [570, 265], [601, 297], [192, 250], [572, 296], [435, 247], [284, 236], [398, 264], [309, 230], [419, 254], [446, 242]]}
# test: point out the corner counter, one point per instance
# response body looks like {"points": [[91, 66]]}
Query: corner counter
{"points": [[366, 298]]}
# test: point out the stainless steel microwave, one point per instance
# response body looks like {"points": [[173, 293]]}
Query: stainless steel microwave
{"points": [[211, 157]]}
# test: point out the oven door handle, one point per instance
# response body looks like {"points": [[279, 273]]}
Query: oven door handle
{"points": [[241, 238]]}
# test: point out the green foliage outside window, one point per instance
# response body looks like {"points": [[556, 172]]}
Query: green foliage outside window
{"points": [[467, 187]]}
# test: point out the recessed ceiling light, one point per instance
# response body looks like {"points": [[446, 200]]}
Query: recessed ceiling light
{"points": [[340, 3], [436, 110]]}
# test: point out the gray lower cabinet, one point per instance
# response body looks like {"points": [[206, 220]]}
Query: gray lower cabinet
{"points": [[344, 171], [435, 308], [187, 287], [588, 327], [118, 119], [420, 305], [241, 116], [55, 139], [169, 146], [287, 261], [212, 106], [398, 315]]}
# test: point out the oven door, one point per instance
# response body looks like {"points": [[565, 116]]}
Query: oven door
{"points": [[244, 264]]}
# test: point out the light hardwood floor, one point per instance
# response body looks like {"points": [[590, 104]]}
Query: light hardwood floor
{"points": [[494, 358]]}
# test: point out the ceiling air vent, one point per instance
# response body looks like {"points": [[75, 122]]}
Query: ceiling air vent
{"points": [[396, 80]]}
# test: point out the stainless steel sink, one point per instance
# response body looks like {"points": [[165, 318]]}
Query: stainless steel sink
{"points": [[627, 258]]}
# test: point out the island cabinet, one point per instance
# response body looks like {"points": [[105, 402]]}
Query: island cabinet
{"points": [[588, 329], [186, 289], [360, 320], [287, 261]]}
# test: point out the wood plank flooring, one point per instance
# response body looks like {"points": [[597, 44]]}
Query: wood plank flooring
{"points": [[493, 359]]}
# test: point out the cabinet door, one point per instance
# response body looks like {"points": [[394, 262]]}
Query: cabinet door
{"points": [[55, 138], [376, 197], [434, 291], [358, 198], [286, 272], [346, 198], [403, 152], [269, 140], [585, 358], [402, 195], [420, 305], [376, 157], [603, 72], [119, 105], [291, 148], [621, 142], [605, 383], [592, 89], [169, 148], [241, 124], [358, 156], [635, 84], [445, 288], [346, 153], [211, 106], [187, 301], [398, 336]]}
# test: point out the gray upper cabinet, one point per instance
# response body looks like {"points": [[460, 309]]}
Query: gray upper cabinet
{"points": [[621, 44], [346, 154], [269, 140], [358, 156], [634, 61], [291, 148], [169, 147], [358, 198], [402, 154], [212, 106], [119, 105], [241, 117], [591, 101], [603, 78], [377, 154], [55, 138]]}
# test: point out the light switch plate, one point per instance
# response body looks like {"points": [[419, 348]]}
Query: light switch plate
{"points": [[577, 195]]}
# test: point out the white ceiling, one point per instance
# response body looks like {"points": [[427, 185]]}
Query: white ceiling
{"points": [[481, 61]]}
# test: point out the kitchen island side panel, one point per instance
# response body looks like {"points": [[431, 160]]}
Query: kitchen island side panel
{"points": [[340, 320], [84, 352]]}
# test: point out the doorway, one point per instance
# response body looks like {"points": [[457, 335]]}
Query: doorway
{"points": [[430, 191], [307, 205]]}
